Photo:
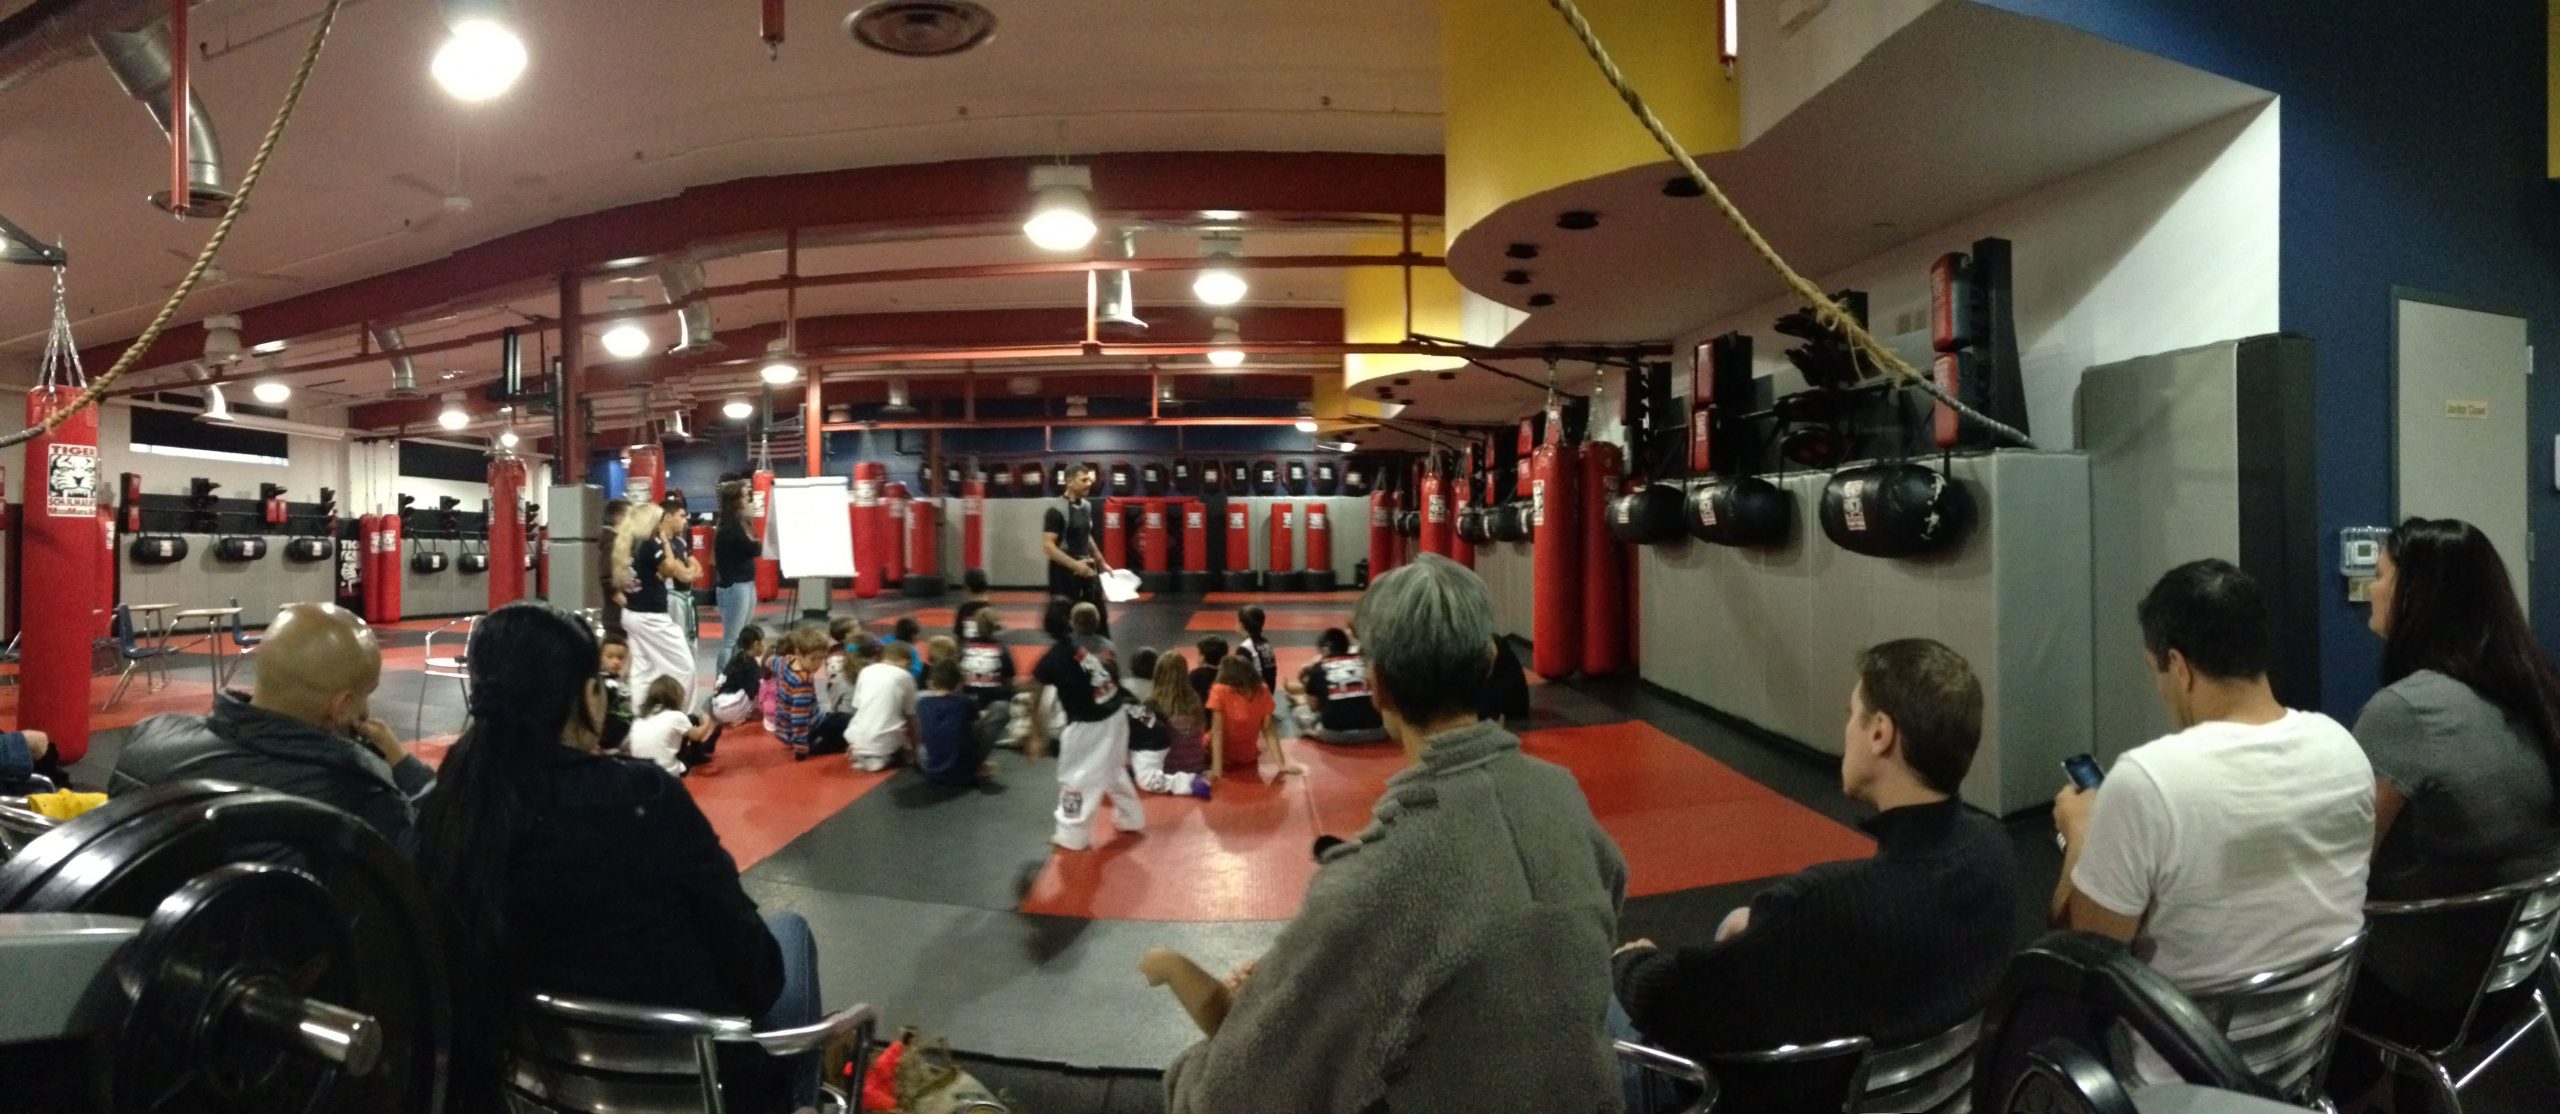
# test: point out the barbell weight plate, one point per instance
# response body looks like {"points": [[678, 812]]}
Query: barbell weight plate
{"points": [[144, 847]]}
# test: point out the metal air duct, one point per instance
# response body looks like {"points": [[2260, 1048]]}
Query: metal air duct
{"points": [[684, 285], [47, 33], [404, 371], [140, 61], [1119, 311]]}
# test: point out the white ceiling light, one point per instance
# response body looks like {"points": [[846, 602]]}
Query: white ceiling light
{"points": [[481, 57], [1306, 425], [222, 338], [739, 409], [1061, 212], [625, 339], [1226, 338], [453, 417], [267, 348], [1220, 285], [780, 371], [509, 440], [271, 392]]}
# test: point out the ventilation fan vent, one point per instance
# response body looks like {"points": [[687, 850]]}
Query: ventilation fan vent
{"points": [[921, 28]]}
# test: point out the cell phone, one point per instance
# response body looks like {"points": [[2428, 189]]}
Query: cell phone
{"points": [[2084, 771]]}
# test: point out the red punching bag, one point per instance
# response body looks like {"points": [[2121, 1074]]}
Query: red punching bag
{"points": [[893, 548], [1555, 493], [506, 531], [1155, 545], [870, 522], [389, 566], [701, 536], [768, 570], [1239, 546], [1604, 567], [1195, 547], [1382, 534], [368, 582], [1463, 497], [1283, 575], [1435, 511], [924, 549], [645, 481], [973, 525], [1320, 576], [1115, 534], [61, 539]]}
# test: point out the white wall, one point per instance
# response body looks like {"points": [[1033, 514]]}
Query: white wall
{"points": [[313, 463], [1780, 69], [2167, 248]]}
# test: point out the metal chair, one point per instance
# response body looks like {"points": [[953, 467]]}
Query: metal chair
{"points": [[2507, 1005], [455, 665], [9, 656], [132, 653], [20, 825], [2283, 1022], [570, 1056], [1933, 1075], [241, 640]]}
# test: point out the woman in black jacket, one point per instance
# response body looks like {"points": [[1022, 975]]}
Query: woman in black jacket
{"points": [[559, 870]]}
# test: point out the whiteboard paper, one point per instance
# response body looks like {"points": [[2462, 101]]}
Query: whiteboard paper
{"points": [[812, 527]]}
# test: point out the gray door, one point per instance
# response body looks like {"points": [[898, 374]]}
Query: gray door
{"points": [[2461, 429]]}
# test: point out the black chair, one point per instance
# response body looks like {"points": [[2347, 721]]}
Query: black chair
{"points": [[2512, 926], [2283, 1022], [589, 1057], [1845, 1076]]}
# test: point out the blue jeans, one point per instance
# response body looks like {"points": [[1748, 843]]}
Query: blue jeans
{"points": [[1645, 1092], [797, 1005], [737, 609]]}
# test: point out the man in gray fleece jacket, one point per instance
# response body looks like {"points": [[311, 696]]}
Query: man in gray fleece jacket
{"points": [[1454, 955]]}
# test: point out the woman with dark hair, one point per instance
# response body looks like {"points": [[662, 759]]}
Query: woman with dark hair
{"points": [[559, 870], [2465, 743], [734, 550]]}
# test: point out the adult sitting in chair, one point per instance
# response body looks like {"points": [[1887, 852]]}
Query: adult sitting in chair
{"points": [[1450, 957], [563, 871], [307, 728], [1895, 948]]}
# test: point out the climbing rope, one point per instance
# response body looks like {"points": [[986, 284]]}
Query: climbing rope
{"points": [[1824, 309], [97, 388]]}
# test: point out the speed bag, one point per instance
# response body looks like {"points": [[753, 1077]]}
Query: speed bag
{"points": [[310, 549], [1895, 510], [159, 549], [426, 560], [1510, 522], [239, 548], [1649, 515], [1747, 511]]}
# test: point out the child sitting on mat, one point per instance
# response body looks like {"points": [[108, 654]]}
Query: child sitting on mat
{"points": [[617, 694], [1240, 722], [950, 749], [1213, 652], [1165, 733], [1142, 676], [667, 736], [796, 671]]}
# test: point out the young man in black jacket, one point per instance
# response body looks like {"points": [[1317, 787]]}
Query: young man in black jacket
{"points": [[308, 729], [1894, 948]]}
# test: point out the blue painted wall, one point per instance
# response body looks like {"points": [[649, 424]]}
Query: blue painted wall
{"points": [[2412, 156]]}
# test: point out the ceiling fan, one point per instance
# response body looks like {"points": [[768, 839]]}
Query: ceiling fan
{"points": [[451, 200]]}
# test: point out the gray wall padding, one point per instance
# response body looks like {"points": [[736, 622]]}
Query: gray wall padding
{"points": [[451, 592], [1770, 636], [1012, 537], [262, 585], [1508, 570]]}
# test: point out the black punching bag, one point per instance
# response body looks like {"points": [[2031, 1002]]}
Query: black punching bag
{"points": [[1895, 510]]}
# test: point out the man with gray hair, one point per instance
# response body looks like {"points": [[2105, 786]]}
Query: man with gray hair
{"points": [[1453, 956]]}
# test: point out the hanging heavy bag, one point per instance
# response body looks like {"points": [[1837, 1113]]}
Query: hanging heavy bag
{"points": [[1649, 515], [1895, 510], [159, 549], [239, 547], [1511, 522], [310, 549], [475, 560], [425, 560], [1471, 526], [1744, 511]]}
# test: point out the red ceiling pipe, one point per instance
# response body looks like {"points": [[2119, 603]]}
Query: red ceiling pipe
{"points": [[770, 26], [977, 191], [181, 48]]}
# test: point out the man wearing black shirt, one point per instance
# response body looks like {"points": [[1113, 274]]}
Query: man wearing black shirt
{"points": [[1067, 536], [1894, 948], [1336, 688], [1093, 750]]}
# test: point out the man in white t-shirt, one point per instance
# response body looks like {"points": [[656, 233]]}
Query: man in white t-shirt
{"points": [[884, 707], [2238, 844]]}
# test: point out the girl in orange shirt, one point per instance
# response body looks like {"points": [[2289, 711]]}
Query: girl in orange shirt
{"points": [[1240, 721]]}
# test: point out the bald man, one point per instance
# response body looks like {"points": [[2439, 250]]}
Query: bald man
{"points": [[308, 729]]}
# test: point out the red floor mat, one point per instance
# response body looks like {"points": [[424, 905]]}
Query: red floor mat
{"points": [[1683, 819]]}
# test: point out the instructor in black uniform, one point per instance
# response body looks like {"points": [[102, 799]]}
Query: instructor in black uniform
{"points": [[1067, 538]]}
